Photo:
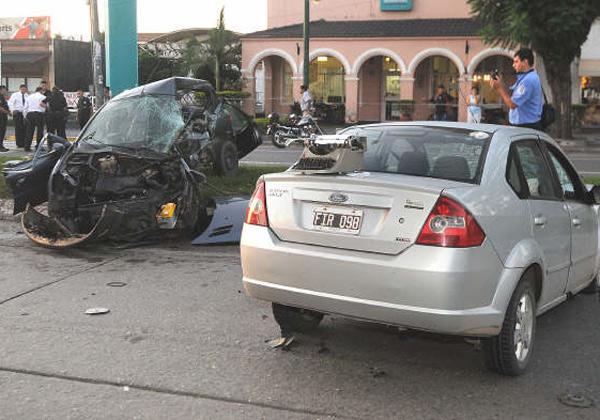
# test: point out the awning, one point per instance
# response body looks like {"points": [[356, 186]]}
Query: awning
{"points": [[23, 58], [589, 68]]}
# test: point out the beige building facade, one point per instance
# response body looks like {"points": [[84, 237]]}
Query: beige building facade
{"points": [[373, 60]]}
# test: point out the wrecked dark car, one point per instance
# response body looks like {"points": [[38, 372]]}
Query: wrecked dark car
{"points": [[135, 169]]}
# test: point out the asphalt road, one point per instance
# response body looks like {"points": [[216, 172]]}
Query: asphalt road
{"points": [[183, 341], [586, 163]]}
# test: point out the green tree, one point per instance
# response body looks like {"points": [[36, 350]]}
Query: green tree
{"points": [[554, 29], [222, 50], [152, 67]]}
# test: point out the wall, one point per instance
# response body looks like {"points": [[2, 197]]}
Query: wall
{"points": [[370, 90], [288, 12]]}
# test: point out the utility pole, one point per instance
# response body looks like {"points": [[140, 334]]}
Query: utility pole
{"points": [[96, 55], [306, 80]]}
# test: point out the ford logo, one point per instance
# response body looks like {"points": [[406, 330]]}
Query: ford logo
{"points": [[338, 198]]}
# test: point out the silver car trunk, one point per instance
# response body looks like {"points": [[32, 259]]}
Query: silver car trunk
{"points": [[388, 210]]}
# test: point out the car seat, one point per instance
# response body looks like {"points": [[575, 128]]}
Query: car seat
{"points": [[451, 167]]}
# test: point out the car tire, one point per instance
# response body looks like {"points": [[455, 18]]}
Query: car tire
{"points": [[292, 319], [501, 353], [593, 287], [225, 158]]}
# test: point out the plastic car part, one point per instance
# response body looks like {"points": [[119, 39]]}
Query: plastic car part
{"points": [[49, 232], [226, 224]]}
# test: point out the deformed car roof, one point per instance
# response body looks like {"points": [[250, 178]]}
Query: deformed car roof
{"points": [[168, 86]]}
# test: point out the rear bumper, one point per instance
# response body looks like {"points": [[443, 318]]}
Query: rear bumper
{"points": [[450, 291]]}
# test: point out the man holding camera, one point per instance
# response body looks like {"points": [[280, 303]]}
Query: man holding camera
{"points": [[525, 100]]}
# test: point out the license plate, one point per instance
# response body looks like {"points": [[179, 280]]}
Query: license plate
{"points": [[337, 220]]}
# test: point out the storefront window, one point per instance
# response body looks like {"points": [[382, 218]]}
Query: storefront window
{"points": [[391, 76], [288, 88], [444, 73], [590, 89], [327, 80], [482, 75], [13, 83], [33, 83]]}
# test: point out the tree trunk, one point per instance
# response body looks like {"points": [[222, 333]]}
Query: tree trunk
{"points": [[559, 78]]}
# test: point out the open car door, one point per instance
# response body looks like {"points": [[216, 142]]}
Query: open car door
{"points": [[28, 180], [245, 132]]}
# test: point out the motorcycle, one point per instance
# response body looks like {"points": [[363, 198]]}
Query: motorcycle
{"points": [[295, 128]]}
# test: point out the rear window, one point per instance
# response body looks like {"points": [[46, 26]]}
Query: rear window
{"points": [[446, 153]]}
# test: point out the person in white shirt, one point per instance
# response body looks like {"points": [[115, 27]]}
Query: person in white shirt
{"points": [[307, 101], [35, 106], [16, 105]]}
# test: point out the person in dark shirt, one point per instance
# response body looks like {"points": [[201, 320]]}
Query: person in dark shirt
{"points": [[4, 111], [441, 101], [84, 108], [107, 94], [57, 113]]}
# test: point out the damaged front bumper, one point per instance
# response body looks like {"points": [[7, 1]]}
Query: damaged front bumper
{"points": [[49, 232]]}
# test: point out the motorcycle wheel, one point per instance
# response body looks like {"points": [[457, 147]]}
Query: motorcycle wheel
{"points": [[277, 140]]}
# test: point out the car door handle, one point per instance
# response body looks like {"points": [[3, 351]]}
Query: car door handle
{"points": [[576, 222], [539, 220]]}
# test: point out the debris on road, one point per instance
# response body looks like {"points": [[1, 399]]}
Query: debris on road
{"points": [[376, 372], [323, 349], [576, 400], [226, 223], [283, 343], [116, 284], [97, 311]]}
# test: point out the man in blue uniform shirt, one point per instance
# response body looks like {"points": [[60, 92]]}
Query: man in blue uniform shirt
{"points": [[525, 100]]}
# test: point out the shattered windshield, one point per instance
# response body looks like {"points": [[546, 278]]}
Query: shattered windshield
{"points": [[144, 122]]}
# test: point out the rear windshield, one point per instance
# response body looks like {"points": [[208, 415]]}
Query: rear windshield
{"points": [[446, 153]]}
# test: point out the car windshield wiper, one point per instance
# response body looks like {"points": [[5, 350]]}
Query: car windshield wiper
{"points": [[89, 136], [87, 139]]}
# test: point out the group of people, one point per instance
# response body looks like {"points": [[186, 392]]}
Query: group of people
{"points": [[42, 110], [524, 98], [32, 112]]}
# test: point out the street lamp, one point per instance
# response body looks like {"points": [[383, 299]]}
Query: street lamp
{"points": [[305, 80], [305, 77]]}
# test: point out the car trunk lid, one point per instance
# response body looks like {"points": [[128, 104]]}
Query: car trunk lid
{"points": [[374, 212]]}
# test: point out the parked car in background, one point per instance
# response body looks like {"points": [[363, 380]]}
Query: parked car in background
{"points": [[135, 167], [471, 230]]}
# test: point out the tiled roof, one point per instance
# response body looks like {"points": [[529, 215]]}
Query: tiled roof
{"points": [[398, 28]]}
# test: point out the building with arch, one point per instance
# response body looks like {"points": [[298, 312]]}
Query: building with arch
{"points": [[377, 60]]}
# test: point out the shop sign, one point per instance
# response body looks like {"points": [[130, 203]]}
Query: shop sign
{"points": [[394, 5], [33, 27]]}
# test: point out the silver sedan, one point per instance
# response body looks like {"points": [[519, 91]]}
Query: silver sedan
{"points": [[471, 230]]}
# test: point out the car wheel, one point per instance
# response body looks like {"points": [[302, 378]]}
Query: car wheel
{"points": [[225, 158], [292, 319], [509, 352], [593, 287]]}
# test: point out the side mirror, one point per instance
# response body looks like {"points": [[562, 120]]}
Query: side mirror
{"points": [[595, 193], [58, 147]]}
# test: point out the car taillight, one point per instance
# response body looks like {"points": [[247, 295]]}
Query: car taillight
{"points": [[450, 225], [256, 214]]}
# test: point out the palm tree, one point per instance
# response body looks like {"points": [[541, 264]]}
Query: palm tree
{"points": [[222, 48]]}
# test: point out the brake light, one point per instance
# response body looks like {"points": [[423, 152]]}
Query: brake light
{"points": [[256, 214], [450, 225]]}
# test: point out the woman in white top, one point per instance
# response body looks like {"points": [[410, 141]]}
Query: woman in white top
{"points": [[474, 110]]}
